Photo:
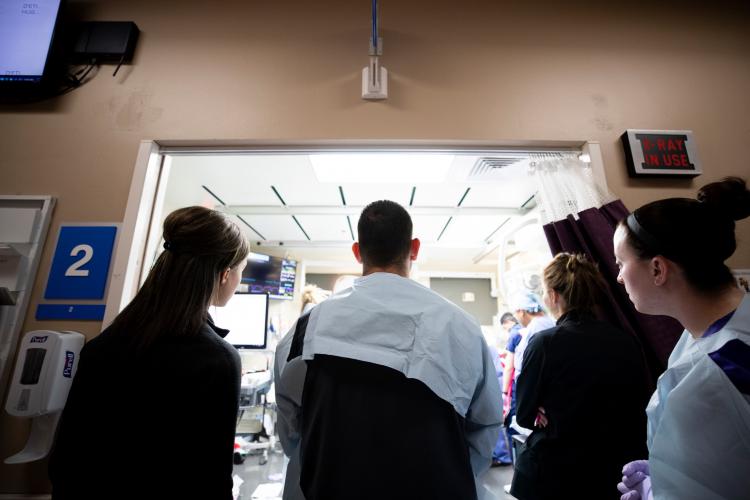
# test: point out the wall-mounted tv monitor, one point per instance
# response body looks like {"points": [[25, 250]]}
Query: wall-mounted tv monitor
{"points": [[271, 275], [246, 318], [27, 29]]}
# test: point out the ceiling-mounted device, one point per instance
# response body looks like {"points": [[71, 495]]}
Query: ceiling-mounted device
{"points": [[375, 76]]}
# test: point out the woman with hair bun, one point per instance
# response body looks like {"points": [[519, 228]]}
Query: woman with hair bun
{"points": [[312, 295], [671, 256], [153, 406], [582, 389]]}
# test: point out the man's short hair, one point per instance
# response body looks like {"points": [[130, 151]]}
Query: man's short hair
{"points": [[385, 233], [508, 317]]}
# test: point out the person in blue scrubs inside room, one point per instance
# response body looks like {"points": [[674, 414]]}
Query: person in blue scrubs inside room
{"points": [[671, 256], [501, 454], [510, 324]]}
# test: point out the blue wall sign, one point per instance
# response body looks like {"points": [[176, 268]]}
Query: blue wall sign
{"points": [[80, 266], [80, 312]]}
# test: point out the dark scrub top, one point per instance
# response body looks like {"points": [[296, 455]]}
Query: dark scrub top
{"points": [[591, 379], [156, 425], [371, 433]]}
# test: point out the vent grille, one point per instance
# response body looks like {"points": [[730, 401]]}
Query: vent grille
{"points": [[488, 166]]}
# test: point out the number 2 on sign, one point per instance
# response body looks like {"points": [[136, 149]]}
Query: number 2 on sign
{"points": [[75, 267]]}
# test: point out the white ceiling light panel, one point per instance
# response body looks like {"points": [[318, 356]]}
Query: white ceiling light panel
{"points": [[409, 168]]}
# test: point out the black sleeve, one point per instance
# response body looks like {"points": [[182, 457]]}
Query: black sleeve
{"points": [[529, 386], [298, 340], [214, 440], [70, 448]]}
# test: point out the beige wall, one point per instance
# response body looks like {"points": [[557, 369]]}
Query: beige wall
{"points": [[487, 70]]}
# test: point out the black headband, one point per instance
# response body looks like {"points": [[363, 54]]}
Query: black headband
{"points": [[651, 242]]}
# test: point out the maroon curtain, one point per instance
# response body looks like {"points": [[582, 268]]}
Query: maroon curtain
{"points": [[592, 235]]}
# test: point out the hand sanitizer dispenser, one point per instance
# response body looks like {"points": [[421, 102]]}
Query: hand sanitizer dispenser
{"points": [[44, 373]]}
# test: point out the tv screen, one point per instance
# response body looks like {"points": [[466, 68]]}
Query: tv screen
{"points": [[271, 275], [246, 318], [26, 31]]}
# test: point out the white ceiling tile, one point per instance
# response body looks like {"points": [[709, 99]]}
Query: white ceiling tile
{"points": [[237, 192], [470, 230], [297, 193], [233, 183], [438, 195], [276, 227], [364, 194], [427, 227], [326, 227], [246, 179], [511, 194]]}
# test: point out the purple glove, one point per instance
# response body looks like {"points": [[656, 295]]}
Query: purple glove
{"points": [[636, 483]]}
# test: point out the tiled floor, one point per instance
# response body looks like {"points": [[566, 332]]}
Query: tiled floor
{"points": [[254, 474], [494, 481]]}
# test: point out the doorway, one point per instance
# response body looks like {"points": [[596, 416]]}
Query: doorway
{"points": [[473, 207]]}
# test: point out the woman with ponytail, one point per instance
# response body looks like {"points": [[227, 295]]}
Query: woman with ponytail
{"points": [[671, 256], [153, 405], [582, 390]]}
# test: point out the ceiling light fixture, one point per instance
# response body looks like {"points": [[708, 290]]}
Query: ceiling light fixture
{"points": [[400, 168]]}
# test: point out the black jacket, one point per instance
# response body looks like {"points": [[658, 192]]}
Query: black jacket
{"points": [[154, 425], [591, 380], [369, 433]]}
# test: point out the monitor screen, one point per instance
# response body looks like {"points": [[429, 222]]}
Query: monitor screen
{"points": [[246, 318], [26, 29], [271, 275]]}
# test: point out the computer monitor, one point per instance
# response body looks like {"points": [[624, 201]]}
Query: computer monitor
{"points": [[246, 318], [27, 30], [269, 274]]}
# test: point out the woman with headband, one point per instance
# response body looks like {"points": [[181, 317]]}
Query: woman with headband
{"points": [[671, 257]]}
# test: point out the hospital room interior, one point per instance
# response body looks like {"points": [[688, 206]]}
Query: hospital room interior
{"points": [[509, 132], [474, 212]]}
